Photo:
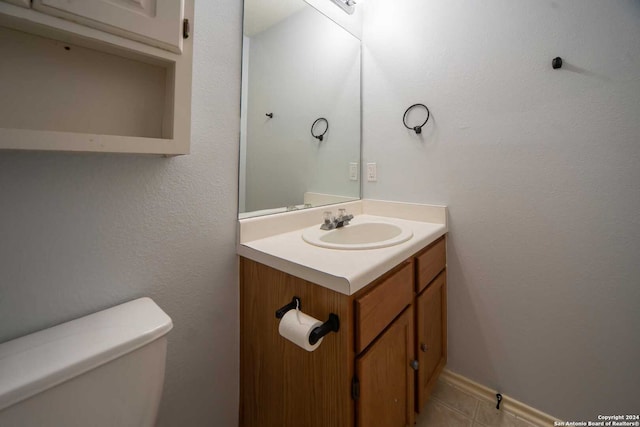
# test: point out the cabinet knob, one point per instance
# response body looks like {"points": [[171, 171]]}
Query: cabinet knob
{"points": [[415, 365], [423, 347]]}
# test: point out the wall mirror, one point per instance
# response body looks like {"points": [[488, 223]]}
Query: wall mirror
{"points": [[300, 115]]}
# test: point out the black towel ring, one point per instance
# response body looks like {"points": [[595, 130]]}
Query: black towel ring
{"points": [[417, 129], [321, 136]]}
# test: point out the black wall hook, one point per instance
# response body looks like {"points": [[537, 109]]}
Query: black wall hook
{"points": [[416, 129], [320, 137], [556, 63], [270, 115], [499, 399]]}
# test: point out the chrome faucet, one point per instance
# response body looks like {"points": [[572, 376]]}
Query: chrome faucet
{"points": [[331, 222]]}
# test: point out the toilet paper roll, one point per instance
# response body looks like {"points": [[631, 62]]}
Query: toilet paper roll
{"points": [[296, 326]]}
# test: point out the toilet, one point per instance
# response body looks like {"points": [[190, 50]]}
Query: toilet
{"points": [[104, 369]]}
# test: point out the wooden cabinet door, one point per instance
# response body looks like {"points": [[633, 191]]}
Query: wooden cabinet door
{"points": [[431, 308], [387, 378], [154, 22]]}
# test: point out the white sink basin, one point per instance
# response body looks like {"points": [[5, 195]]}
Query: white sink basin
{"points": [[366, 235]]}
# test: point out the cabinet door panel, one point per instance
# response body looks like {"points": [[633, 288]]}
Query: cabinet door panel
{"points": [[387, 379], [431, 317], [155, 22]]}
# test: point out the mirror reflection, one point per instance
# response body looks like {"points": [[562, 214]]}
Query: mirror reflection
{"points": [[300, 127]]}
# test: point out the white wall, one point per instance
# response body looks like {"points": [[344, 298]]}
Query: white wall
{"points": [[540, 170], [303, 68], [79, 233]]}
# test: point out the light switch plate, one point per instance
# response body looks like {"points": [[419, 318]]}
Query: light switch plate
{"points": [[372, 172], [353, 171]]}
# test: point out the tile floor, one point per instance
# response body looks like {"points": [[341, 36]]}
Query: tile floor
{"points": [[450, 406]]}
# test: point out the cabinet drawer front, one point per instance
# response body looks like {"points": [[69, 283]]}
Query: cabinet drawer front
{"points": [[430, 263], [376, 309]]}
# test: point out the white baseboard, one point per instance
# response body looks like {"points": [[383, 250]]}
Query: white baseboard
{"points": [[513, 406]]}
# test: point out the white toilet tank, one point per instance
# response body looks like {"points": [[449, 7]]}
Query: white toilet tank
{"points": [[105, 369]]}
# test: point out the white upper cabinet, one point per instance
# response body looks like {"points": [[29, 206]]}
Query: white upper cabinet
{"points": [[155, 22], [96, 76], [23, 3]]}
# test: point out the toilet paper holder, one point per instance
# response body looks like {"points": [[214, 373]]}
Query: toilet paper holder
{"points": [[295, 303], [331, 325]]}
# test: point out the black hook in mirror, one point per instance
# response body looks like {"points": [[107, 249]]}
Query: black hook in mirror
{"points": [[416, 129], [320, 137]]}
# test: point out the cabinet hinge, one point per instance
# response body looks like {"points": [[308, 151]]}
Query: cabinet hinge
{"points": [[185, 28], [355, 388]]}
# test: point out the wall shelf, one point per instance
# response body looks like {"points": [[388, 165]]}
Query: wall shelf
{"points": [[68, 87]]}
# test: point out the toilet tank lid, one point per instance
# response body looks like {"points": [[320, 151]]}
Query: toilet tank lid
{"points": [[44, 359]]}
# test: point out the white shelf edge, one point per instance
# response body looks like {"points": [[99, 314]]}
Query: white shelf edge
{"points": [[46, 140]]}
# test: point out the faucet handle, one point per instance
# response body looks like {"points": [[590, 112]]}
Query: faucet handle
{"points": [[328, 221], [327, 216], [344, 217]]}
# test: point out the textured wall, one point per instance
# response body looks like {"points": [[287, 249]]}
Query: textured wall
{"points": [[79, 233], [540, 170]]}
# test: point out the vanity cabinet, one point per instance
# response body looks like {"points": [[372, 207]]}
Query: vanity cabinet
{"points": [[377, 370]]}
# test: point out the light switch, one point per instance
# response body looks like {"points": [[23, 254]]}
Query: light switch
{"points": [[353, 171], [372, 172]]}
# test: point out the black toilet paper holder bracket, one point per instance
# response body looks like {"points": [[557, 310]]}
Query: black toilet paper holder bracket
{"points": [[295, 303], [331, 325]]}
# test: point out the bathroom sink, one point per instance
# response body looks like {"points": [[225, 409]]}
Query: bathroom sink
{"points": [[366, 235]]}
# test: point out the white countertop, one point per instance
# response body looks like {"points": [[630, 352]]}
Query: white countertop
{"points": [[344, 271]]}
